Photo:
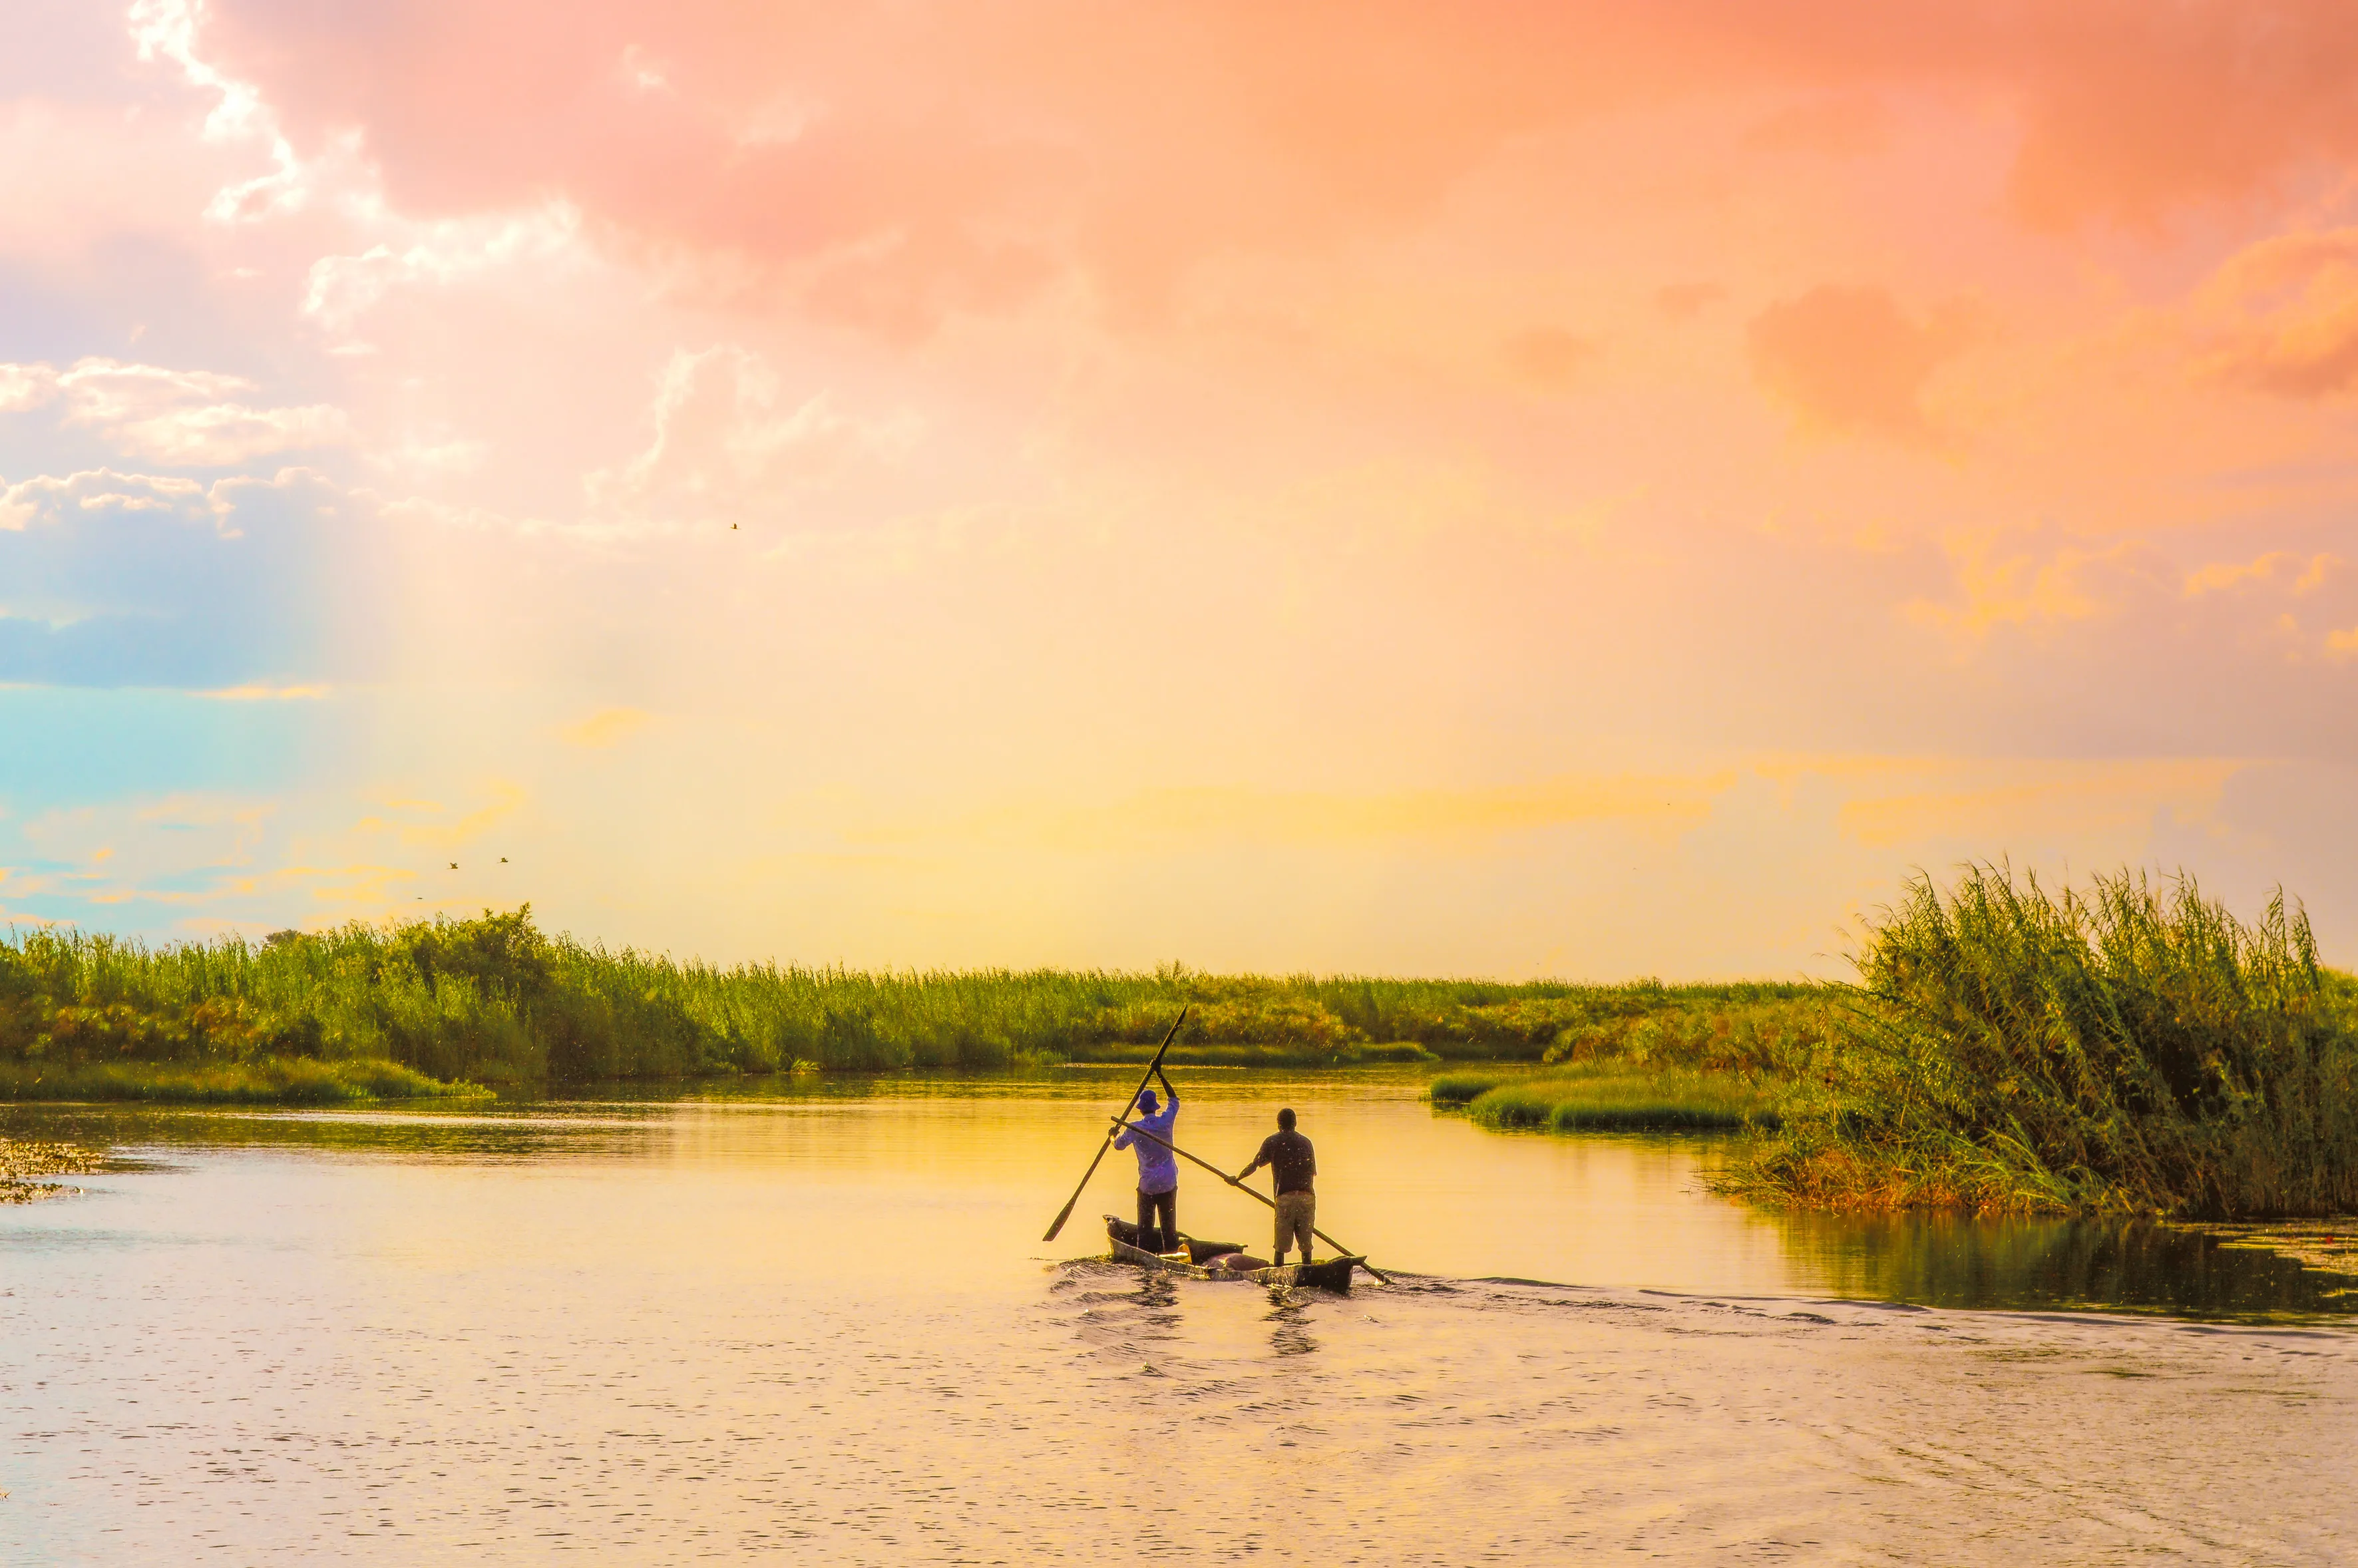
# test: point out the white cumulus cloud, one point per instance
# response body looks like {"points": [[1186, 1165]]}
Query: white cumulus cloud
{"points": [[189, 418], [342, 288], [728, 443]]}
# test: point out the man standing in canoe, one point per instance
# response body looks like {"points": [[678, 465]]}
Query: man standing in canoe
{"points": [[1288, 1155], [1158, 1170]]}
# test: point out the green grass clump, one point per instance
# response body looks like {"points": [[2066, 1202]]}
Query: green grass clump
{"points": [[2134, 1049], [272, 1080], [1457, 1090], [1668, 1100]]}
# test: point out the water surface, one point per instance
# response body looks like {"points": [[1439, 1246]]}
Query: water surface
{"points": [[823, 1326]]}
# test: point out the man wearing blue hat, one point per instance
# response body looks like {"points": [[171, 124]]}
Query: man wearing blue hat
{"points": [[1158, 1169]]}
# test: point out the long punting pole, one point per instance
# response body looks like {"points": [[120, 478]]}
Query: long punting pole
{"points": [[1264, 1197], [1066, 1211]]}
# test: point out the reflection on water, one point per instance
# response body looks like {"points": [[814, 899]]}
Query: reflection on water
{"points": [[1418, 1190], [2121, 1265], [821, 1328]]}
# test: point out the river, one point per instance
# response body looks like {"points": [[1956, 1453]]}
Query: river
{"points": [[821, 1326]]}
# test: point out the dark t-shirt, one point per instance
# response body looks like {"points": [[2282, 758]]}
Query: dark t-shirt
{"points": [[1288, 1153]]}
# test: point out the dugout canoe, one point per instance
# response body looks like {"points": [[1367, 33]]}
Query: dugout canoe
{"points": [[1192, 1261]]}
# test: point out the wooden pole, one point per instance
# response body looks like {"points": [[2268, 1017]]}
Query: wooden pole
{"points": [[1264, 1197], [1066, 1211]]}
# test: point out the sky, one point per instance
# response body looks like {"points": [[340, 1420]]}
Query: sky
{"points": [[1571, 489]]}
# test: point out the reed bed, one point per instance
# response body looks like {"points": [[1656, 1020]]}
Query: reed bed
{"points": [[494, 1000], [269, 1080], [1456, 1091], [2132, 1049], [1615, 1100]]}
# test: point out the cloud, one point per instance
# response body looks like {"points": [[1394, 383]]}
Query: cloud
{"points": [[25, 388], [2022, 587], [54, 499], [111, 579], [168, 30], [182, 418], [2134, 111], [901, 166], [2281, 316], [341, 289], [1351, 229], [1850, 359], [729, 444], [2306, 575], [2132, 639]]}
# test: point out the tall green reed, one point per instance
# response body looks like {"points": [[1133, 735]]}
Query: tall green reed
{"points": [[2131, 1048], [497, 1001]]}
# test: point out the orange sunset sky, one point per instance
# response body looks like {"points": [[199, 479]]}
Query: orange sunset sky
{"points": [[1570, 488]]}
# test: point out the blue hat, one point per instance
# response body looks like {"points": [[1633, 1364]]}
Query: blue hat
{"points": [[1146, 1101]]}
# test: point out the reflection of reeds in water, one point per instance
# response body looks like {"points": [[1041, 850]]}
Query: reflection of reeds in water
{"points": [[2133, 1049], [2329, 1245], [1957, 1260], [495, 1001]]}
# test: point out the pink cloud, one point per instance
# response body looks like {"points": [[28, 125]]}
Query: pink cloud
{"points": [[1849, 358], [2133, 109], [2283, 315]]}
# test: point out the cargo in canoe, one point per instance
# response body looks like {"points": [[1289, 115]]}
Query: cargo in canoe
{"points": [[1196, 1260]]}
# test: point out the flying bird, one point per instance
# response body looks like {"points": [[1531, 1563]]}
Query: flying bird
{"points": [[503, 859], [454, 865]]}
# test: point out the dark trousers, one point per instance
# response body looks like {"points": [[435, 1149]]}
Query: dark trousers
{"points": [[1168, 1203]]}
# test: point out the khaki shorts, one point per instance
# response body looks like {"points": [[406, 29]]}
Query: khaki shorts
{"points": [[1296, 1212]]}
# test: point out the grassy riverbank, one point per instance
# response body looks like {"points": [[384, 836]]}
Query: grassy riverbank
{"points": [[267, 1080], [2134, 1049], [1690, 1063], [494, 1000]]}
